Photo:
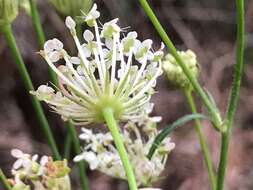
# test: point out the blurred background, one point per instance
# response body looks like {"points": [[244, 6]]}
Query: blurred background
{"points": [[207, 27]]}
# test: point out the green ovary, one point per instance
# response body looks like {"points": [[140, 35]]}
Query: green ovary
{"points": [[107, 101]]}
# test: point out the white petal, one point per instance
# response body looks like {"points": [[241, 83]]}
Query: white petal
{"points": [[85, 137], [150, 55], [48, 46], [17, 153], [86, 51], [45, 89], [17, 164], [75, 60], [88, 131], [27, 164], [58, 45], [91, 158], [88, 35], [35, 157], [43, 160], [147, 43], [156, 119], [78, 158], [108, 43], [70, 23], [132, 34], [54, 56]]}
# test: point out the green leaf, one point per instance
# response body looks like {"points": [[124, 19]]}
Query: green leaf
{"points": [[166, 131]]}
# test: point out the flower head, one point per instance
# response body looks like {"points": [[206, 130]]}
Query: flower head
{"points": [[175, 74], [101, 154], [45, 174], [112, 69], [8, 11], [70, 7]]}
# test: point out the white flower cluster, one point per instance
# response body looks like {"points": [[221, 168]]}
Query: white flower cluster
{"points": [[102, 155], [174, 72], [44, 174], [112, 69]]}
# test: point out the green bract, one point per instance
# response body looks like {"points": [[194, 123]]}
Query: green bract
{"points": [[8, 11]]}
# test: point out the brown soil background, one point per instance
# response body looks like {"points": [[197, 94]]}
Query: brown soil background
{"points": [[207, 27]]}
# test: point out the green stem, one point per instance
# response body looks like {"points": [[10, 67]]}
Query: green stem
{"points": [[4, 181], [77, 149], [7, 31], [202, 141], [79, 30], [67, 143], [40, 35], [234, 94], [112, 125], [209, 105]]}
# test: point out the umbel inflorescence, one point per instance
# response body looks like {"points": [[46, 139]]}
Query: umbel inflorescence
{"points": [[46, 174], [113, 69], [101, 154]]}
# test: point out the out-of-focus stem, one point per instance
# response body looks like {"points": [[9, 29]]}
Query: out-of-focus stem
{"points": [[202, 141], [4, 181], [234, 94]]}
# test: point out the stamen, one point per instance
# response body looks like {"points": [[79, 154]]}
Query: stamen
{"points": [[101, 54], [67, 81], [80, 80], [113, 70]]}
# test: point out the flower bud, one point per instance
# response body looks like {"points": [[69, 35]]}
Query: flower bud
{"points": [[8, 11], [175, 74], [25, 5], [21, 186], [72, 8]]}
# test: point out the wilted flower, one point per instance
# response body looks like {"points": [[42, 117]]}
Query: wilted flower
{"points": [[8, 11], [175, 74], [45, 174], [112, 70], [72, 7], [101, 154]]}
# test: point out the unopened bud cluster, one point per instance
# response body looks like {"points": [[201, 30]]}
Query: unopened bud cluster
{"points": [[8, 11], [175, 74], [71, 7]]}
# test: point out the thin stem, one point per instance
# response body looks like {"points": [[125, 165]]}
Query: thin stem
{"points": [[234, 94], [40, 35], [7, 31], [202, 142], [4, 181], [209, 105], [79, 31], [67, 144], [77, 149], [112, 125]]}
